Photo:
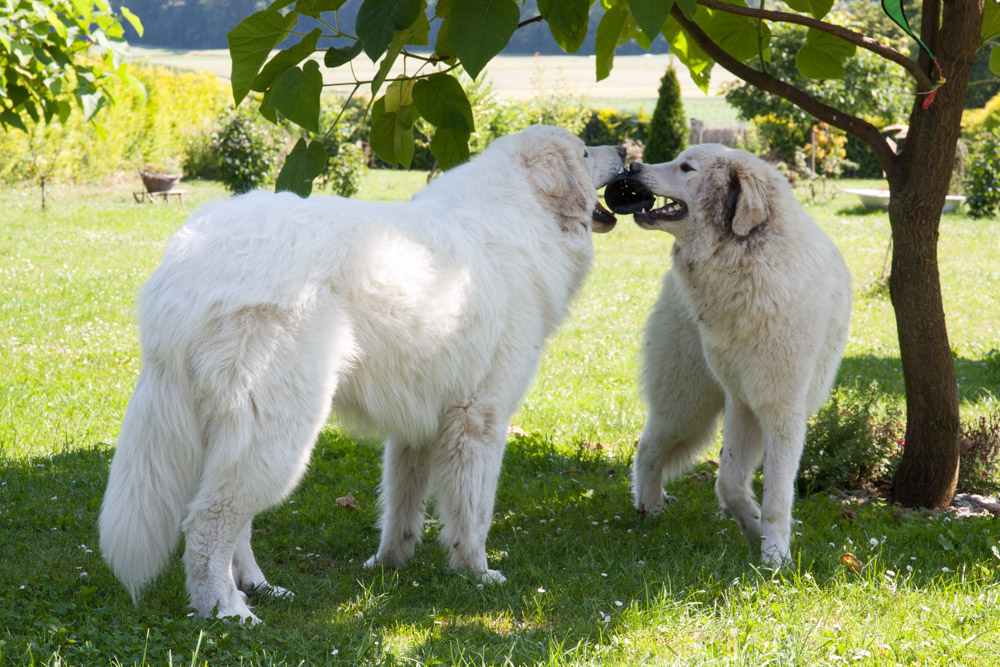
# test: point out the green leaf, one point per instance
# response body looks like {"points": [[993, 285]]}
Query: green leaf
{"points": [[392, 134], [611, 31], [10, 119], [991, 20], [395, 48], [567, 21], [480, 29], [698, 62], [314, 8], [296, 95], [689, 7], [250, 42], [450, 146], [995, 60], [378, 21], [818, 8], [399, 94], [737, 35], [303, 164], [441, 100], [132, 19], [285, 60], [822, 56], [337, 56], [650, 15]]}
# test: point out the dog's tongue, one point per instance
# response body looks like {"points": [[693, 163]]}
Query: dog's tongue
{"points": [[602, 214]]}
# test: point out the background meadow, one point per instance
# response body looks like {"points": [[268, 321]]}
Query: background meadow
{"points": [[589, 582]]}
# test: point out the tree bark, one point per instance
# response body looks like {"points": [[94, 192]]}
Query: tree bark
{"points": [[929, 468]]}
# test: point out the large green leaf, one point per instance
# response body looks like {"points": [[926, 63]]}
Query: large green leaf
{"points": [[285, 59], [296, 95], [567, 21], [822, 56], [341, 55], [650, 15], [395, 48], [450, 146], [991, 20], [480, 29], [698, 62], [303, 164], [392, 133], [250, 42], [399, 93], [738, 35], [441, 100], [314, 8], [995, 60], [378, 21], [818, 8], [615, 28]]}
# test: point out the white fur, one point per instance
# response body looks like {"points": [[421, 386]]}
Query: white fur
{"points": [[422, 321], [751, 320]]}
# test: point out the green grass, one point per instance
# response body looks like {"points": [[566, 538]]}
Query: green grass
{"points": [[589, 583]]}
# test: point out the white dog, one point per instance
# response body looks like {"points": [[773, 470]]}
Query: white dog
{"points": [[422, 321], [752, 319]]}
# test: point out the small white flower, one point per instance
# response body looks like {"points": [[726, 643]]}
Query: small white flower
{"points": [[640, 563], [618, 603], [334, 652], [415, 584], [541, 590], [873, 541], [604, 574]]}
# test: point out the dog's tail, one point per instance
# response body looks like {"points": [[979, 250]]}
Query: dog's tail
{"points": [[153, 476]]}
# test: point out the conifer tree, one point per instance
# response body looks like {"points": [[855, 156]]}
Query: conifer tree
{"points": [[667, 134]]}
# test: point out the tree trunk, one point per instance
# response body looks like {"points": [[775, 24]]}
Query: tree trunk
{"points": [[929, 468]]}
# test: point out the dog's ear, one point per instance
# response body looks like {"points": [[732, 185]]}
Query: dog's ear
{"points": [[557, 177], [747, 201]]}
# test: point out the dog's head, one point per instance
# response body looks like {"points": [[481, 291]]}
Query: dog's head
{"points": [[566, 174], [709, 186]]}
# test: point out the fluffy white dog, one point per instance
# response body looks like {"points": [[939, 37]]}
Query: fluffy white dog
{"points": [[422, 321], [752, 319]]}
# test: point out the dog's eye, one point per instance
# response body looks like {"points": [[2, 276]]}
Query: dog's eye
{"points": [[685, 167], [585, 153]]}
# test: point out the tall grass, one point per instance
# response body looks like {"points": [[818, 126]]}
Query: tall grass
{"points": [[589, 581]]}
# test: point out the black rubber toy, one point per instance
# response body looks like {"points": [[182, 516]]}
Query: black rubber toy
{"points": [[627, 195]]}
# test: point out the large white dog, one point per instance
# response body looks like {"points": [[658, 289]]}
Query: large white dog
{"points": [[752, 319], [422, 321]]}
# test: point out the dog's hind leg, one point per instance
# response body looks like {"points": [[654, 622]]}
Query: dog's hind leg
{"points": [[741, 451], [465, 466], [784, 438], [405, 474]]}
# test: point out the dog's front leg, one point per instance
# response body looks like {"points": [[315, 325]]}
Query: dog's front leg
{"points": [[466, 468], [741, 451], [404, 500], [783, 440]]}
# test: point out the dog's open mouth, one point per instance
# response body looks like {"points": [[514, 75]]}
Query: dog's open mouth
{"points": [[603, 216], [673, 209], [627, 195]]}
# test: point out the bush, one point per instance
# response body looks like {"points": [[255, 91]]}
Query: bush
{"points": [[142, 130], [853, 442], [982, 183], [977, 472], [246, 149], [667, 134], [610, 127], [345, 162], [781, 136]]}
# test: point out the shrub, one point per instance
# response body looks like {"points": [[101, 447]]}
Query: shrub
{"points": [[853, 442], [610, 127], [247, 153], [667, 134], [977, 472], [982, 183], [781, 136], [345, 162]]}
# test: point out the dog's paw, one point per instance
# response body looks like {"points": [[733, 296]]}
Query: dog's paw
{"points": [[371, 563], [238, 614], [492, 577], [774, 555]]}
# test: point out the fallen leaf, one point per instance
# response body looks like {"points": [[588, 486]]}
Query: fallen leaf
{"points": [[347, 502], [851, 562]]}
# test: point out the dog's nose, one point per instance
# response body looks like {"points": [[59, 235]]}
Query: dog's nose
{"points": [[635, 168], [622, 152]]}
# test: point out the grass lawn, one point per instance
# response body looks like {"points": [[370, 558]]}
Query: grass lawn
{"points": [[589, 582]]}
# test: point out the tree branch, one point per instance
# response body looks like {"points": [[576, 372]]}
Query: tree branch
{"points": [[533, 19], [924, 83], [851, 124]]}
